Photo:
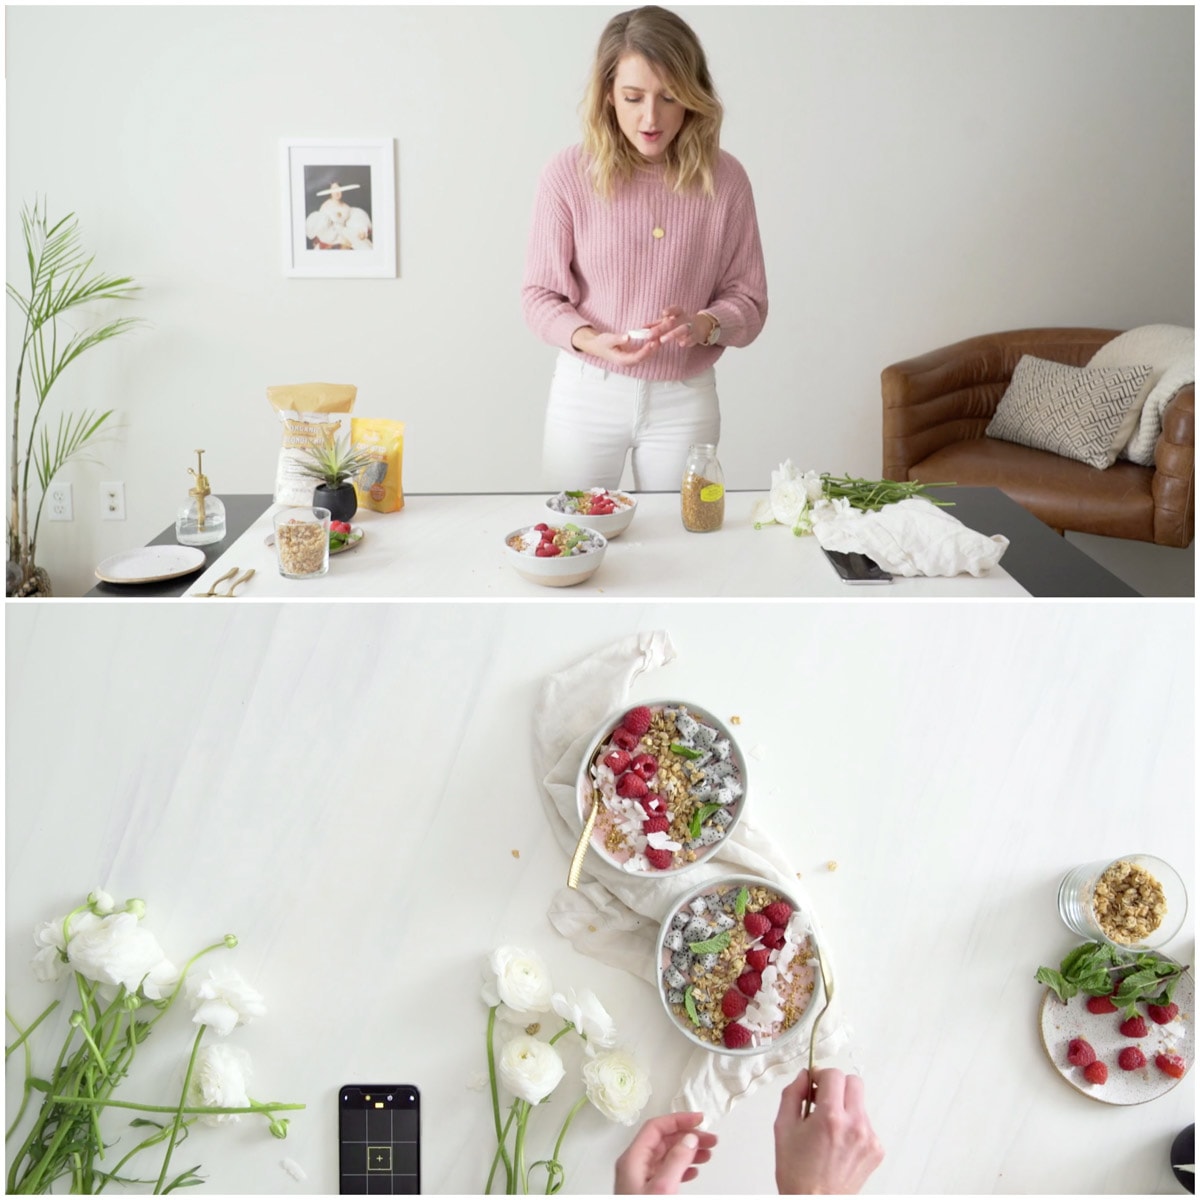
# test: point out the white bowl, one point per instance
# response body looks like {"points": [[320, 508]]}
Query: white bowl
{"points": [[557, 571], [730, 968], [605, 821], [612, 525]]}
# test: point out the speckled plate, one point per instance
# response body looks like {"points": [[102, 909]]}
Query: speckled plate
{"points": [[149, 564], [1062, 1022]]}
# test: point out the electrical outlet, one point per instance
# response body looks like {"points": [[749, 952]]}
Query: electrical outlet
{"points": [[59, 500], [112, 502]]}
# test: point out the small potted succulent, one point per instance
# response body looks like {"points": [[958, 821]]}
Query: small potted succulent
{"points": [[336, 464]]}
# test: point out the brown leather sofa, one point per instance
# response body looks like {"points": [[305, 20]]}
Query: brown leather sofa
{"points": [[937, 406]]}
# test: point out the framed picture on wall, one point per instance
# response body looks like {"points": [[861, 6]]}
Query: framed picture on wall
{"points": [[339, 208]]}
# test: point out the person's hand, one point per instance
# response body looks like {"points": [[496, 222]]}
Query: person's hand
{"points": [[665, 1153], [617, 348], [834, 1149], [678, 327]]}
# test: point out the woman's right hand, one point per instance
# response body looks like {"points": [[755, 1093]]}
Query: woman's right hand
{"points": [[617, 348]]}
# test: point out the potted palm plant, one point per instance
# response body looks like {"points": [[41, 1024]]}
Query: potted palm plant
{"points": [[61, 279], [337, 465]]}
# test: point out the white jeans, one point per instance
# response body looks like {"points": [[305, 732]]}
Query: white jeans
{"points": [[595, 417]]}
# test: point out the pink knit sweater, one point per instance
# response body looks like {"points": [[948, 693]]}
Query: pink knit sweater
{"points": [[595, 262]]}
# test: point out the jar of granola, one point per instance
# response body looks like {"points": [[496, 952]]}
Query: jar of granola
{"points": [[702, 496]]}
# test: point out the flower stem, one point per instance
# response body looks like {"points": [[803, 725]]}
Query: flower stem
{"points": [[523, 1108], [25, 1034], [178, 1121], [200, 1111], [562, 1134], [496, 1157], [500, 1137], [564, 1031]]}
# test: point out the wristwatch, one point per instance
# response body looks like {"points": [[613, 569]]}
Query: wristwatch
{"points": [[714, 333]]}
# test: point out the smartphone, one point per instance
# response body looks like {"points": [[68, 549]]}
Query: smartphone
{"points": [[857, 568], [379, 1130]]}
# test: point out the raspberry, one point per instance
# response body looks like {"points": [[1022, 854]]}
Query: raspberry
{"points": [[541, 527], [1131, 1058], [749, 982], [645, 766], [624, 740], [1100, 1004], [659, 859], [1080, 1053], [736, 1036], [631, 786], [1170, 1064], [655, 825], [733, 1004], [777, 913], [756, 960], [547, 550], [756, 924], [1134, 1027], [1163, 1014], [653, 803], [1096, 1072], [637, 720], [773, 939], [617, 761]]}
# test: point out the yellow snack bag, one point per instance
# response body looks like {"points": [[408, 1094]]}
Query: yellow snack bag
{"points": [[379, 486]]}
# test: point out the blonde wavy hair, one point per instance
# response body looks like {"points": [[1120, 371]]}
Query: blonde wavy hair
{"points": [[670, 46]]}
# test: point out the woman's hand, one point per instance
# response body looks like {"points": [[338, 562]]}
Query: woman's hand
{"points": [[678, 327], [665, 1153], [617, 348]]}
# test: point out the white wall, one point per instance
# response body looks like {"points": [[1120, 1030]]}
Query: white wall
{"points": [[922, 174]]}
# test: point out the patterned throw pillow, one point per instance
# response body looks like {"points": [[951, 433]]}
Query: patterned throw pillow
{"points": [[1078, 412]]}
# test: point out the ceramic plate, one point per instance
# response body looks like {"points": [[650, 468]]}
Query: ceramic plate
{"points": [[150, 564], [356, 536], [1062, 1022]]}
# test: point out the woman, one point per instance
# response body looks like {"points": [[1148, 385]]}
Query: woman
{"points": [[648, 226]]}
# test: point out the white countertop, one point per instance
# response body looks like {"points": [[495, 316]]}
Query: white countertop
{"points": [[347, 788], [453, 545]]}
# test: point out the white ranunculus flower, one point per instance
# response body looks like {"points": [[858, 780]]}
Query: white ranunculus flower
{"points": [[222, 999], [220, 1077], [530, 1069], [519, 981], [101, 902], [789, 499], [117, 950], [588, 1015], [814, 486], [617, 1085], [50, 963]]}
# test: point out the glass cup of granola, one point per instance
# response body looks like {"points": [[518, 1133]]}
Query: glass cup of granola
{"points": [[1135, 902], [302, 542]]}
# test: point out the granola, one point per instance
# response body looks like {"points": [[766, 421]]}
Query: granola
{"points": [[1129, 903]]}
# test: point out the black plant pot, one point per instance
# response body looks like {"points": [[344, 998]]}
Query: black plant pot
{"points": [[342, 501]]}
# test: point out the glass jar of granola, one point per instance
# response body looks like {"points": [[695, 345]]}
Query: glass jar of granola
{"points": [[702, 496]]}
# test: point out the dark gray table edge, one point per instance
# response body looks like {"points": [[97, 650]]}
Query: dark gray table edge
{"points": [[1041, 561]]}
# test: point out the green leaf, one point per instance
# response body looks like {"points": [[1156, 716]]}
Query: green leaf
{"points": [[713, 945], [702, 814], [188, 1178], [689, 1003], [575, 495], [743, 898], [685, 751], [139, 1121], [1057, 982]]}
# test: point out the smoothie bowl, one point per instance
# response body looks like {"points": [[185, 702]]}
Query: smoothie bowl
{"points": [[609, 513], [555, 555], [671, 784], [737, 966]]}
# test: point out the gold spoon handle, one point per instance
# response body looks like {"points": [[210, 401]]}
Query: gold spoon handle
{"points": [[212, 591], [236, 584], [806, 1105], [581, 849]]}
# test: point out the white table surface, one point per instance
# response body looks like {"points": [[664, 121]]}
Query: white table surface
{"points": [[344, 786], [453, 545]]}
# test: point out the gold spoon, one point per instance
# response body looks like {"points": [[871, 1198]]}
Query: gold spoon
{"points": [[212, 591], [806, 1105], [584, 839], [227, 595]]}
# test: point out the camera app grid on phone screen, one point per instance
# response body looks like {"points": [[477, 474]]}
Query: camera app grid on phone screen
{"points": [[380, 1144]]}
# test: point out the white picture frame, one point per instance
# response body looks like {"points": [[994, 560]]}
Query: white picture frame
{"points": [[339, 207]]}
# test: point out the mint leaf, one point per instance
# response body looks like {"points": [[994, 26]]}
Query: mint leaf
{"points": [[702, 814], [743, 898], [684, 751], [713, 945], [689, 1003], [1057, 982]]}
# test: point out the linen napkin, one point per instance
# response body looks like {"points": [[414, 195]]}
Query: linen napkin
{"points": [[911, 537], [615, 916]]}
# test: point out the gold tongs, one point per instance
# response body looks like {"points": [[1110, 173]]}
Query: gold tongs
{"points": [[806, 1105], [582, 848]]}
